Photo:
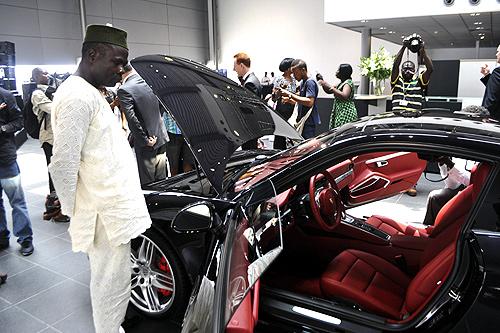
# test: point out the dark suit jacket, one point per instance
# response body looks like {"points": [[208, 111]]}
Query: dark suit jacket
{"points": [[142, 111], [252, 83], [491, 99]]}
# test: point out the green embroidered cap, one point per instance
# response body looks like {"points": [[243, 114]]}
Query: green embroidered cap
{"points": [[106, 34]]}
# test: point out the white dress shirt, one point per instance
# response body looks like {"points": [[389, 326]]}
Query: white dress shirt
{"points": [[93, 168]]}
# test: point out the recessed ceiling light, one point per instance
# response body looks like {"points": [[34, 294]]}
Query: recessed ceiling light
{"points": [[475, 14], [452, 43], [383, 28], [391, 32], [364, 21], [482, 37], [478, 23], [436, 32], [479, 28]]}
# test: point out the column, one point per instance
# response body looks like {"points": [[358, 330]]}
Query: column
{"points": [[366, 46]]}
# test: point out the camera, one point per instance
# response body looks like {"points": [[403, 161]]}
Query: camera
{"points": [[415, 43]]}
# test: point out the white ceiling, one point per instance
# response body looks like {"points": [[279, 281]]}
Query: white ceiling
{"points": [[445, 31]]}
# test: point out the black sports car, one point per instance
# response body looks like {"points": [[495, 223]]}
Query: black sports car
{"points": [[276, 242]]}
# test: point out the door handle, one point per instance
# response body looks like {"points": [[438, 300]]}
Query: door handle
{"points": [[381, 164]]}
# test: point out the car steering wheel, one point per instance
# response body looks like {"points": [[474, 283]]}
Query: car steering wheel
{"points": [[326, 205]]}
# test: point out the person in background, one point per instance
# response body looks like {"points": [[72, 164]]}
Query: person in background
{"points": [[114, 103], [41, 99], [178, 152], [3, 278], [11, 121], [95, 175], [248, 80], [265, 80], [491, 99], [284, 105], [344, 110], [142, 110], [407, 87], [456, 178], [306, 99]]}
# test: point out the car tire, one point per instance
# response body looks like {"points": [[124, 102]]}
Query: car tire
{"points": [[154, 265]]}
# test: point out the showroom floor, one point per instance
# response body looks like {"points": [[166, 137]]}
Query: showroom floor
{"points": [[49, 290]]}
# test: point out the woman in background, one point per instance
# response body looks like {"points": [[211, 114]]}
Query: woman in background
{"points": [[344, 110]]}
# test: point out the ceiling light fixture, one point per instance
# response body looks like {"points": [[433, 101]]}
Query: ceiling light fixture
{"points": [[383, 28], [436, 32], [478, 23], [482, 37], [475, 14], [479, 28], [364, 21], [391, 32]]}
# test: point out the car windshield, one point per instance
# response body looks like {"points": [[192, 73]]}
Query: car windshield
{"points": [[279, 161]]}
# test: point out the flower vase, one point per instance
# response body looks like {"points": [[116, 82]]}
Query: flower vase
{"points": [[379, 87]]}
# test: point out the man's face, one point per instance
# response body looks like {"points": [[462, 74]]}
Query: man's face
{"points": [[240, 69], [42, 77], [407, 71], [108, 65], [298, 73], [498, 54]]}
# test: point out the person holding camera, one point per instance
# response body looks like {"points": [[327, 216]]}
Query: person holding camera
{"points": [[491, 98], [284, 105], [41, 99], [344, 110], [455, 177], [408, 85]]}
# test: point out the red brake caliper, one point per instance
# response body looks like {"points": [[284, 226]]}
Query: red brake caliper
{"points": [[163, 266]]}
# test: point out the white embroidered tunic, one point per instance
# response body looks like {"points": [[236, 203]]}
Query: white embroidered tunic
{"points": [[93, 168]]}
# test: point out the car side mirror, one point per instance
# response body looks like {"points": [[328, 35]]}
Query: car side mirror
{"points": [[195, 218]]}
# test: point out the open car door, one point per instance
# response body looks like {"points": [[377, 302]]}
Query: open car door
{"points": [[382, 174], [253, 242]]}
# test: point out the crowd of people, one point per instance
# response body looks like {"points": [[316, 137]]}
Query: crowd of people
{"points": [[85, 122]]}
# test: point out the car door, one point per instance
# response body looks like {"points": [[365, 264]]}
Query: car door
{"points": [[382, 174], [252, 241]]}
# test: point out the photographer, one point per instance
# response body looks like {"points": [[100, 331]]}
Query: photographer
{"points": [[456, 178], [284, 105], [41, 99], [407, 88]]}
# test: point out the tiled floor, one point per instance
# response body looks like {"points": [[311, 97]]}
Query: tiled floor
{"points": [[49, 290]]}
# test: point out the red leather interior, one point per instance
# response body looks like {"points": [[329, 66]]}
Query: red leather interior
{"points": [[379, 286], [374, 283], [246, 316], [395, 228], [382, 174]]}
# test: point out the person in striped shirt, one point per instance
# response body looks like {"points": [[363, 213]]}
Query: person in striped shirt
{"points": [[406, 86]]}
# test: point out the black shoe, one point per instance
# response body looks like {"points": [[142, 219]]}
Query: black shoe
{"points": [[3, 278], [27, 248], [4, 243]]}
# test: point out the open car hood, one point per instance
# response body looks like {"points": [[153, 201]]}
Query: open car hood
{"points": [[215, 114]]}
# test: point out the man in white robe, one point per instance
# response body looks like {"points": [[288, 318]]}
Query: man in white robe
{"points": [[95, 174]]}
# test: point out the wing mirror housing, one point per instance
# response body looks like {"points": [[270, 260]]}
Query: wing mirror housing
{"points": [[194, 218]]}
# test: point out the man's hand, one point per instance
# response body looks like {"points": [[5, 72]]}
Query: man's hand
{"points": [[151, 141], [3, 106], [485, 70], [406, 41], [319, 77]]}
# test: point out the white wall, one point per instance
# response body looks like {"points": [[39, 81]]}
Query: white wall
{"points": [[49, 31], [462, 53], [271, 30]]}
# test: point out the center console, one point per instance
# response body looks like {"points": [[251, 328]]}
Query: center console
{"points": [[361, 225]]}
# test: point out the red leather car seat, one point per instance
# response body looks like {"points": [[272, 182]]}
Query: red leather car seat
{"points": [[381, 287], [391, 227]]}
